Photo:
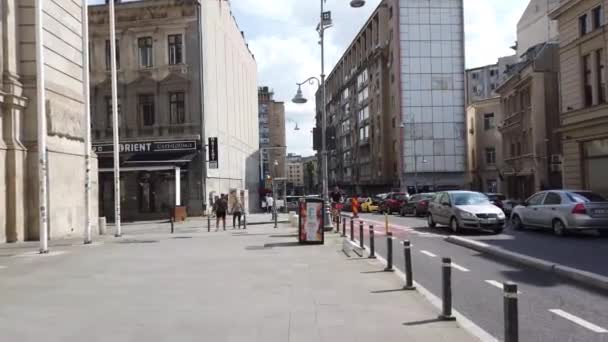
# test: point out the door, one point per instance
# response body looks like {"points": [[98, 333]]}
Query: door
{"points": [[549, 210], [435, 207], [442, 209], [531, 212]]}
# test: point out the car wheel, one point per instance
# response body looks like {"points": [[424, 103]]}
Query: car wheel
{"points": [[454, 225], [516, 223], [559, 228], [430, 222]]}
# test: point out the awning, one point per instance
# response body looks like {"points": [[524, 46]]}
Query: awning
{"points": [[151, 160]]}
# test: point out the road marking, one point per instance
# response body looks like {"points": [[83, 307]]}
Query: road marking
{"points": [[579, 321], [428, 253], [460, 268], [498, 284], [2, 267]]}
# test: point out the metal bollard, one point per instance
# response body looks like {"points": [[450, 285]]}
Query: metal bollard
{"points": [[446, 266], [244, 220], [275, 220], [372, 244], [208, 222], [352, 230], [510, 310], [361, 244], [389, 252], [344, 227], [338, 220], [172, 219], [407, 254], [101, 225]]}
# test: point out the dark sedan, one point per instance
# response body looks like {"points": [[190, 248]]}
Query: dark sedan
{"points": [[417, 205]]}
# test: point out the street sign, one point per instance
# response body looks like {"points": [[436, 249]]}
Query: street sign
{"points": [[213, 153], [147, 146]]}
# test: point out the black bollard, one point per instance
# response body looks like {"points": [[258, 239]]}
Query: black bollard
{"points": [[389, 252], [344, 227], [372, 244], [407, 254], [510, 310], [244, 221], [352, 230], [338, 220], [446, 266], [172, 219], [361, 244], [208, 222]]}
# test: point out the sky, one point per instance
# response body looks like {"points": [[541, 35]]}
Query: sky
{"points": [[282, 36]]}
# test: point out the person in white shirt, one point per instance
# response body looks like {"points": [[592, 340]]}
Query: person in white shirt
{"points": [[269, 203]]}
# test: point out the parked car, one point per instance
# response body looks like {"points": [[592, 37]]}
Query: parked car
{"points": [[392, 203], [563, 211], [497, 199], [417, 205], [369, 205], [465, 210]]}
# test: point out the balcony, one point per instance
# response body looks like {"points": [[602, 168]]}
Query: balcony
{"points": [[511, 122]]}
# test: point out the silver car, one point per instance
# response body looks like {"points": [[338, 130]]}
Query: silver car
{"points": [[465, 209], [563, 211]]}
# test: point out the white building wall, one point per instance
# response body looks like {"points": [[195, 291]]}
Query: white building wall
{"points": [[433, 94], [230, 100], [535, 27]]}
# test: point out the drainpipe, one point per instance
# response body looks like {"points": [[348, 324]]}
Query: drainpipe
{"points": [[199, 23]]}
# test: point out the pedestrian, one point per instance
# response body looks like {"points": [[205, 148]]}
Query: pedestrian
{"points": [[269, 204], [220, 207], [237, 211], [355, 206]]}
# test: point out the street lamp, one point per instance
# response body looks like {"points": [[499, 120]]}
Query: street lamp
{"points": [[325, 21]]}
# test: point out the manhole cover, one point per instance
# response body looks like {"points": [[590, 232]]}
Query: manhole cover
{"points": [[138, 241]]}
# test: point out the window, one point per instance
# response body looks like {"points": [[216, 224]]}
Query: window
{"points": [[145, 52], [109, 112], [488, 121], [601, 77], [596, 15], [491, 185], [364, 133], [362, 79], [587, 81], [474, 75], [518, 148], [390, 12], [490, 156], [364, 114], [582, 24], [108, 52], [393, 121], [493, 86], [175, 49], [536, 199], [553, 199], [145, 105], [363, 95], [512, 150], [177, 109]]}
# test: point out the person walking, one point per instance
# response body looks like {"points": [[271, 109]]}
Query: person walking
{"points": [[355, 206], [220, 206], [270, 204], [237, 211]]}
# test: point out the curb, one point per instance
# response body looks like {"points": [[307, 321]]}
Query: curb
{"points": [[582, 277], [435, 301], [261, 223]]}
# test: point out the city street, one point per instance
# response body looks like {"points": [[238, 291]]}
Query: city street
{"points": [[550, 307]]}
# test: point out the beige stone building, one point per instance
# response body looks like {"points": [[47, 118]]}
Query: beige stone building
{"points": [[584, 108], [170, 105], [272, 134], [535, 26], [65, 121], [295, 171], [531, 144], [484, 142]]}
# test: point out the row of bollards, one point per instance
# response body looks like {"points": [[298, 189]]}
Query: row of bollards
{"points": [[511, 326]]}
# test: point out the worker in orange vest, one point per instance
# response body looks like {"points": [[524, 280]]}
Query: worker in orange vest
{"points": [[355, 205]]}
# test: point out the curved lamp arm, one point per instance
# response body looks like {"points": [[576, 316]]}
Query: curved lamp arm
{"points": [[310, 81]]}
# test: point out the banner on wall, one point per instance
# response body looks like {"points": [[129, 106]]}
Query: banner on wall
{"points": [[311, 220]]}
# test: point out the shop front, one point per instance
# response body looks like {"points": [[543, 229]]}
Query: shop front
{"points": [[595, 165], [156, 178]]}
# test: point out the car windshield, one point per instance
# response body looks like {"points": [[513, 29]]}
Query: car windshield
{"points": [[469, 198], [585, 196], [399, 197]]}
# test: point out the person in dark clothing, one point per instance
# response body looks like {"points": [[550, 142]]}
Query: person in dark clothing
{"points": [[237, 211], [220, 207]]}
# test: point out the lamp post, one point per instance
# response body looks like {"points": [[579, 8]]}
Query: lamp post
{"points": [[300, 99]]}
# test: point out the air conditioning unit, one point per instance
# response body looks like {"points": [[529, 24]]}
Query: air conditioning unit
{"points": [[556, 168], [556, 159]]}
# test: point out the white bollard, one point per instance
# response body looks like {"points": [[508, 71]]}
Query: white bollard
{"points": [[102, 225]]}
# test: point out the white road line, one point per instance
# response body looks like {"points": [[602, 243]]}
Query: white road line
{"points": [[579, 321], [460, 268], [2, 267], [498, 284], [428, 253]]}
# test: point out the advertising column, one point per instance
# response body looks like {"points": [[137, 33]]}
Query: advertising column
{"points": [[311, 221]]}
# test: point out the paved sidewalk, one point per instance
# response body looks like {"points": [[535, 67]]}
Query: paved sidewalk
{"points": [[254, 285]]}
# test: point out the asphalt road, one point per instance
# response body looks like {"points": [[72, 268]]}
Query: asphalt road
{"points": [[550, 307]]}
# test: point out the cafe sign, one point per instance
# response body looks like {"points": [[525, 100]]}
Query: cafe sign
{"points": [[147, 147]]}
